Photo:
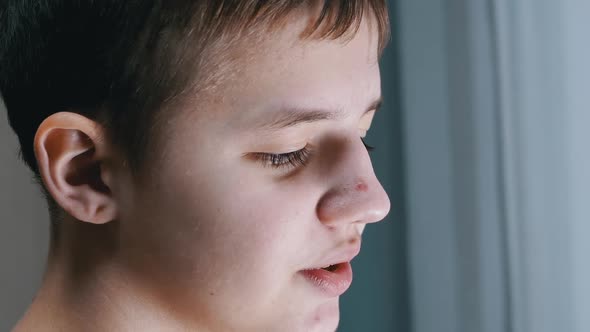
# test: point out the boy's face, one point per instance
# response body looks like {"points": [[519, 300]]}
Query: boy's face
{"points": [[219, 232]]}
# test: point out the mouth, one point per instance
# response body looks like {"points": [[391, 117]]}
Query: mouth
{"points": [[332, 280], [331, 268]]}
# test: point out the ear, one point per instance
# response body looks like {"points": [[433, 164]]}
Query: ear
{"points": [[71, 154]]}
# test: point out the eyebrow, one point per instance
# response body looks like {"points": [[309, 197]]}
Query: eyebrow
{"points": [[290, 117]]}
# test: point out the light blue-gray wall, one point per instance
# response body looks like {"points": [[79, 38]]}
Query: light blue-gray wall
{"points": [[495, 118], [24, 230], [452, 145]]}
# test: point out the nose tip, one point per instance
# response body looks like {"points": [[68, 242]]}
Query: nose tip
{"points": [[379, 206], [362, 201]]}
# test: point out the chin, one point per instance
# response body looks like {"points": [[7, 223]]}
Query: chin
{"points": [[325, 318]]}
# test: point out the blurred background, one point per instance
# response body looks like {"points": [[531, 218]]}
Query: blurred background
{"points": [[483, 147]]}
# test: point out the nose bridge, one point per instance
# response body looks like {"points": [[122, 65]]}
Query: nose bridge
{"points": [[355, 194]]}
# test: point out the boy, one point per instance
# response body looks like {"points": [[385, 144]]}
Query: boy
{"points": [[203, 160]]}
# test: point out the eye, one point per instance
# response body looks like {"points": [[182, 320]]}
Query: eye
{"points": [[284, 160]]}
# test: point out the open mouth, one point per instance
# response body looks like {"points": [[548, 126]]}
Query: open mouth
{"points": [[331, 280], [331, 268]]}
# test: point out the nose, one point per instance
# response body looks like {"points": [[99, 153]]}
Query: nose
{"points": [[354, 194]]}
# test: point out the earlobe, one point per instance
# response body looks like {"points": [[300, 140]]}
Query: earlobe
{"points": [[70, 152]]}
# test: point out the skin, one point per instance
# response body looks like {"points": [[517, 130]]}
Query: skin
{"points": [[207, 237]]}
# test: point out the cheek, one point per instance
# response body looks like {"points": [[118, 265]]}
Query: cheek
{"points": [[224, 219], [222, 235]]}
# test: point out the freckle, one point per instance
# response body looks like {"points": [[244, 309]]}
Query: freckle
{"points": [[212, 293], [362, 187]]}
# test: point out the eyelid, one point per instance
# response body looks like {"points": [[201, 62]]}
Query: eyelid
{"points": [[299, 158], [293, 159]]}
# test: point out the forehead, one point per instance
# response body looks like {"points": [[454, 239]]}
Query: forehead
{"points": [[283, 71]]}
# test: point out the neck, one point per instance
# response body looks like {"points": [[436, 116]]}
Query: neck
{"points": [[84, 289]]}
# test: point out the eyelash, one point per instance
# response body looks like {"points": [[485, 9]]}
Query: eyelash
{"points": [[368, 147], [292, 159]]}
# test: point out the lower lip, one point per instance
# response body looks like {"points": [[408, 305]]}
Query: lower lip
{"points": [[330, 283]]}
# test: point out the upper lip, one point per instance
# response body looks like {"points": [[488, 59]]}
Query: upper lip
{"points": [[345, 254]]}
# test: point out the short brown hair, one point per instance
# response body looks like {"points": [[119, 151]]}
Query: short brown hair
{"points": [[121, 62]]}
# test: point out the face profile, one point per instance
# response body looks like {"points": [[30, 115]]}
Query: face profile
{"points": [[257, 197], [249, 207]]}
